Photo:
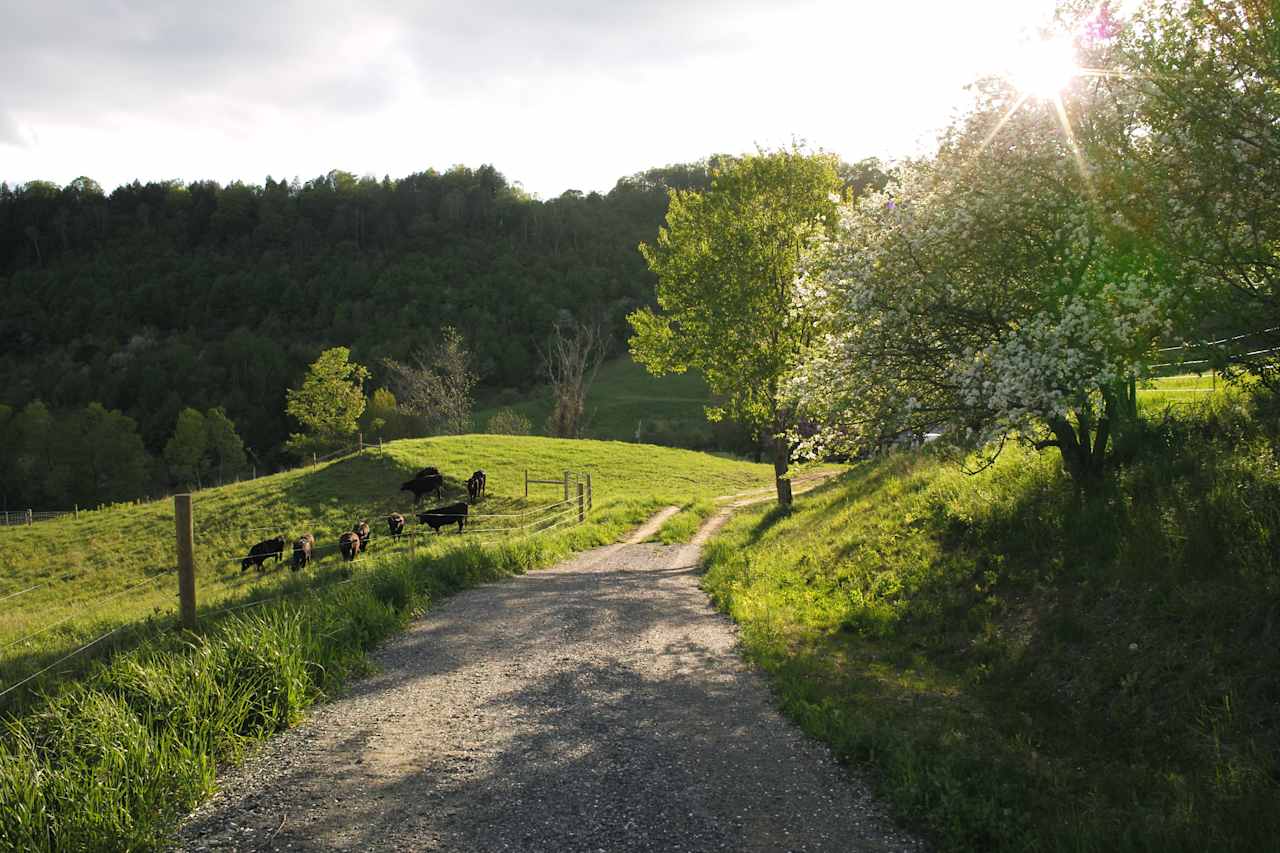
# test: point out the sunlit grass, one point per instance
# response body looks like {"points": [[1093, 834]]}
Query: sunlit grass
{"points": [[1025, 670]]}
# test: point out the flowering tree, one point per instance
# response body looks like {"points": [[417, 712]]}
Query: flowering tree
{"points": [[728, 264], [987, 293]]}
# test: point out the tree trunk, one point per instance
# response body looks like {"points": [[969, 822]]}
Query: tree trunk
{"points": [[781, 459]]}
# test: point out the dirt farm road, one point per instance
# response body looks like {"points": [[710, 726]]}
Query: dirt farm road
{"points": [[600, 705]]}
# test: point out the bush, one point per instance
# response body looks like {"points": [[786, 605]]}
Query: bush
{"points": [[508, 421]]}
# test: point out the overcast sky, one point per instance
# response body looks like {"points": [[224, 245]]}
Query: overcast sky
{"points": [[556, 94]]}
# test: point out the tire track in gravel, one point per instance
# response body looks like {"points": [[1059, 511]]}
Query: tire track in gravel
{"points": [[599, 705]]}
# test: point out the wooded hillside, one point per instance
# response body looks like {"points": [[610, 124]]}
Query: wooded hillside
{"points": [[162, 296]]}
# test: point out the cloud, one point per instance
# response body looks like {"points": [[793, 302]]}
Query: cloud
{"points": [[10, 132], [555, 93]]}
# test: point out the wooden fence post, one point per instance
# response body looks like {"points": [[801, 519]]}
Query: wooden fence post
{"points": [[582, 512], [77, 511], [30, 519], [526, 482], [566, 485], [314, 461], [379, 445], [588, 491], [185, 529], [359, 442]]}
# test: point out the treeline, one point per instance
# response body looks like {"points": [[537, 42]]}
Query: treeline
{"points": [[162, 296]]}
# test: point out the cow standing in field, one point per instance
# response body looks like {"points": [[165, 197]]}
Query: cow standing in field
{"points": [[262, 552], [302, 550], [475, 486], [423, 486], [395, 523], [442, 515], [349, 545], [362, 530], [429, 471]]}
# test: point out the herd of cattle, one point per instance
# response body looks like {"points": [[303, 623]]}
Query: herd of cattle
{"points": [[355, 540]]}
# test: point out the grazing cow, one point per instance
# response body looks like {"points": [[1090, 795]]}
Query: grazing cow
{"points": [[442, 515], [262, 552], [425, 485], [475, 486], [429, 471], [395, 522], [302, 549], [349, 545], [362, 530]]}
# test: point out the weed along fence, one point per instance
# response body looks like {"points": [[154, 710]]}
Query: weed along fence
{"points": [[101, 624]]}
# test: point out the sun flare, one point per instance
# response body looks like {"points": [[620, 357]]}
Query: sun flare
{"points": [[1044, 69]]}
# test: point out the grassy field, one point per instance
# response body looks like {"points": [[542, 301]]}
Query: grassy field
{"points": [[1179, 391], [114, 567], [1020, 669], [626, 400]]}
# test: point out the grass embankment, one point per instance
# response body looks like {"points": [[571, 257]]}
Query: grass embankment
{"points": [[625, 400], [85, 568], [1025, 671], [115, 758]]}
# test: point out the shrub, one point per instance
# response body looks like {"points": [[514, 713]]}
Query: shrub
{"points": [[507, 421]]}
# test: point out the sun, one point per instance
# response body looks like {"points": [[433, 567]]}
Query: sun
{"points": [[1043, 69]]}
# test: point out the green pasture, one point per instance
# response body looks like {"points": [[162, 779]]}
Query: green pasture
{"points": [[624, 399], [115, 566]]}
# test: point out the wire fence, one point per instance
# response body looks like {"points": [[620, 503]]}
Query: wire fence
{"points": [[29, 516], [533, 521], [25, 517], [1195, 347]]}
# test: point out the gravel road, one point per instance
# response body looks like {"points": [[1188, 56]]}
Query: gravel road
{"points": [[599, 705]]}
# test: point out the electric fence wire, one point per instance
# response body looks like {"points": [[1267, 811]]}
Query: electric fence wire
{"points": [[78, 613]]}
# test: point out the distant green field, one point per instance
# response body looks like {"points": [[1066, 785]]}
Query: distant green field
{"points": [[1185, 389], [85, 570], [624, 400]]}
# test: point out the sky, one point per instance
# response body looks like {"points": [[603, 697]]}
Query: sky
{"points": [[557, 94]]}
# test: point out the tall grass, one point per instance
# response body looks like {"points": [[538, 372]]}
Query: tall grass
{"points": [[111, 762], [1026, 670]]}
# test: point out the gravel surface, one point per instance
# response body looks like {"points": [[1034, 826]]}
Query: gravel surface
{"points": [[599, 705]]}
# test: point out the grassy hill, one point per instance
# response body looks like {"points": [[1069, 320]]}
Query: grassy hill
{"points": [[626, 402], [114, 566], [1023, 669]]}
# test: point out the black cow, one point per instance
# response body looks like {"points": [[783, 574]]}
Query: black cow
{"points": [[349, 545], [429, 471], [262, 552], [395, 522], [424, 486], [442, 515], [302, 549], [362, 530], [475, 486]]}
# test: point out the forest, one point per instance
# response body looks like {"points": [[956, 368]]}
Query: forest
{"points": [[126, 308]]}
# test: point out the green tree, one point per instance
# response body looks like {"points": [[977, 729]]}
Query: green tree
{"points": [[184, 453], [225, 453], [330, 401], [729, 263], [101, 458], [1204, 76]]}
